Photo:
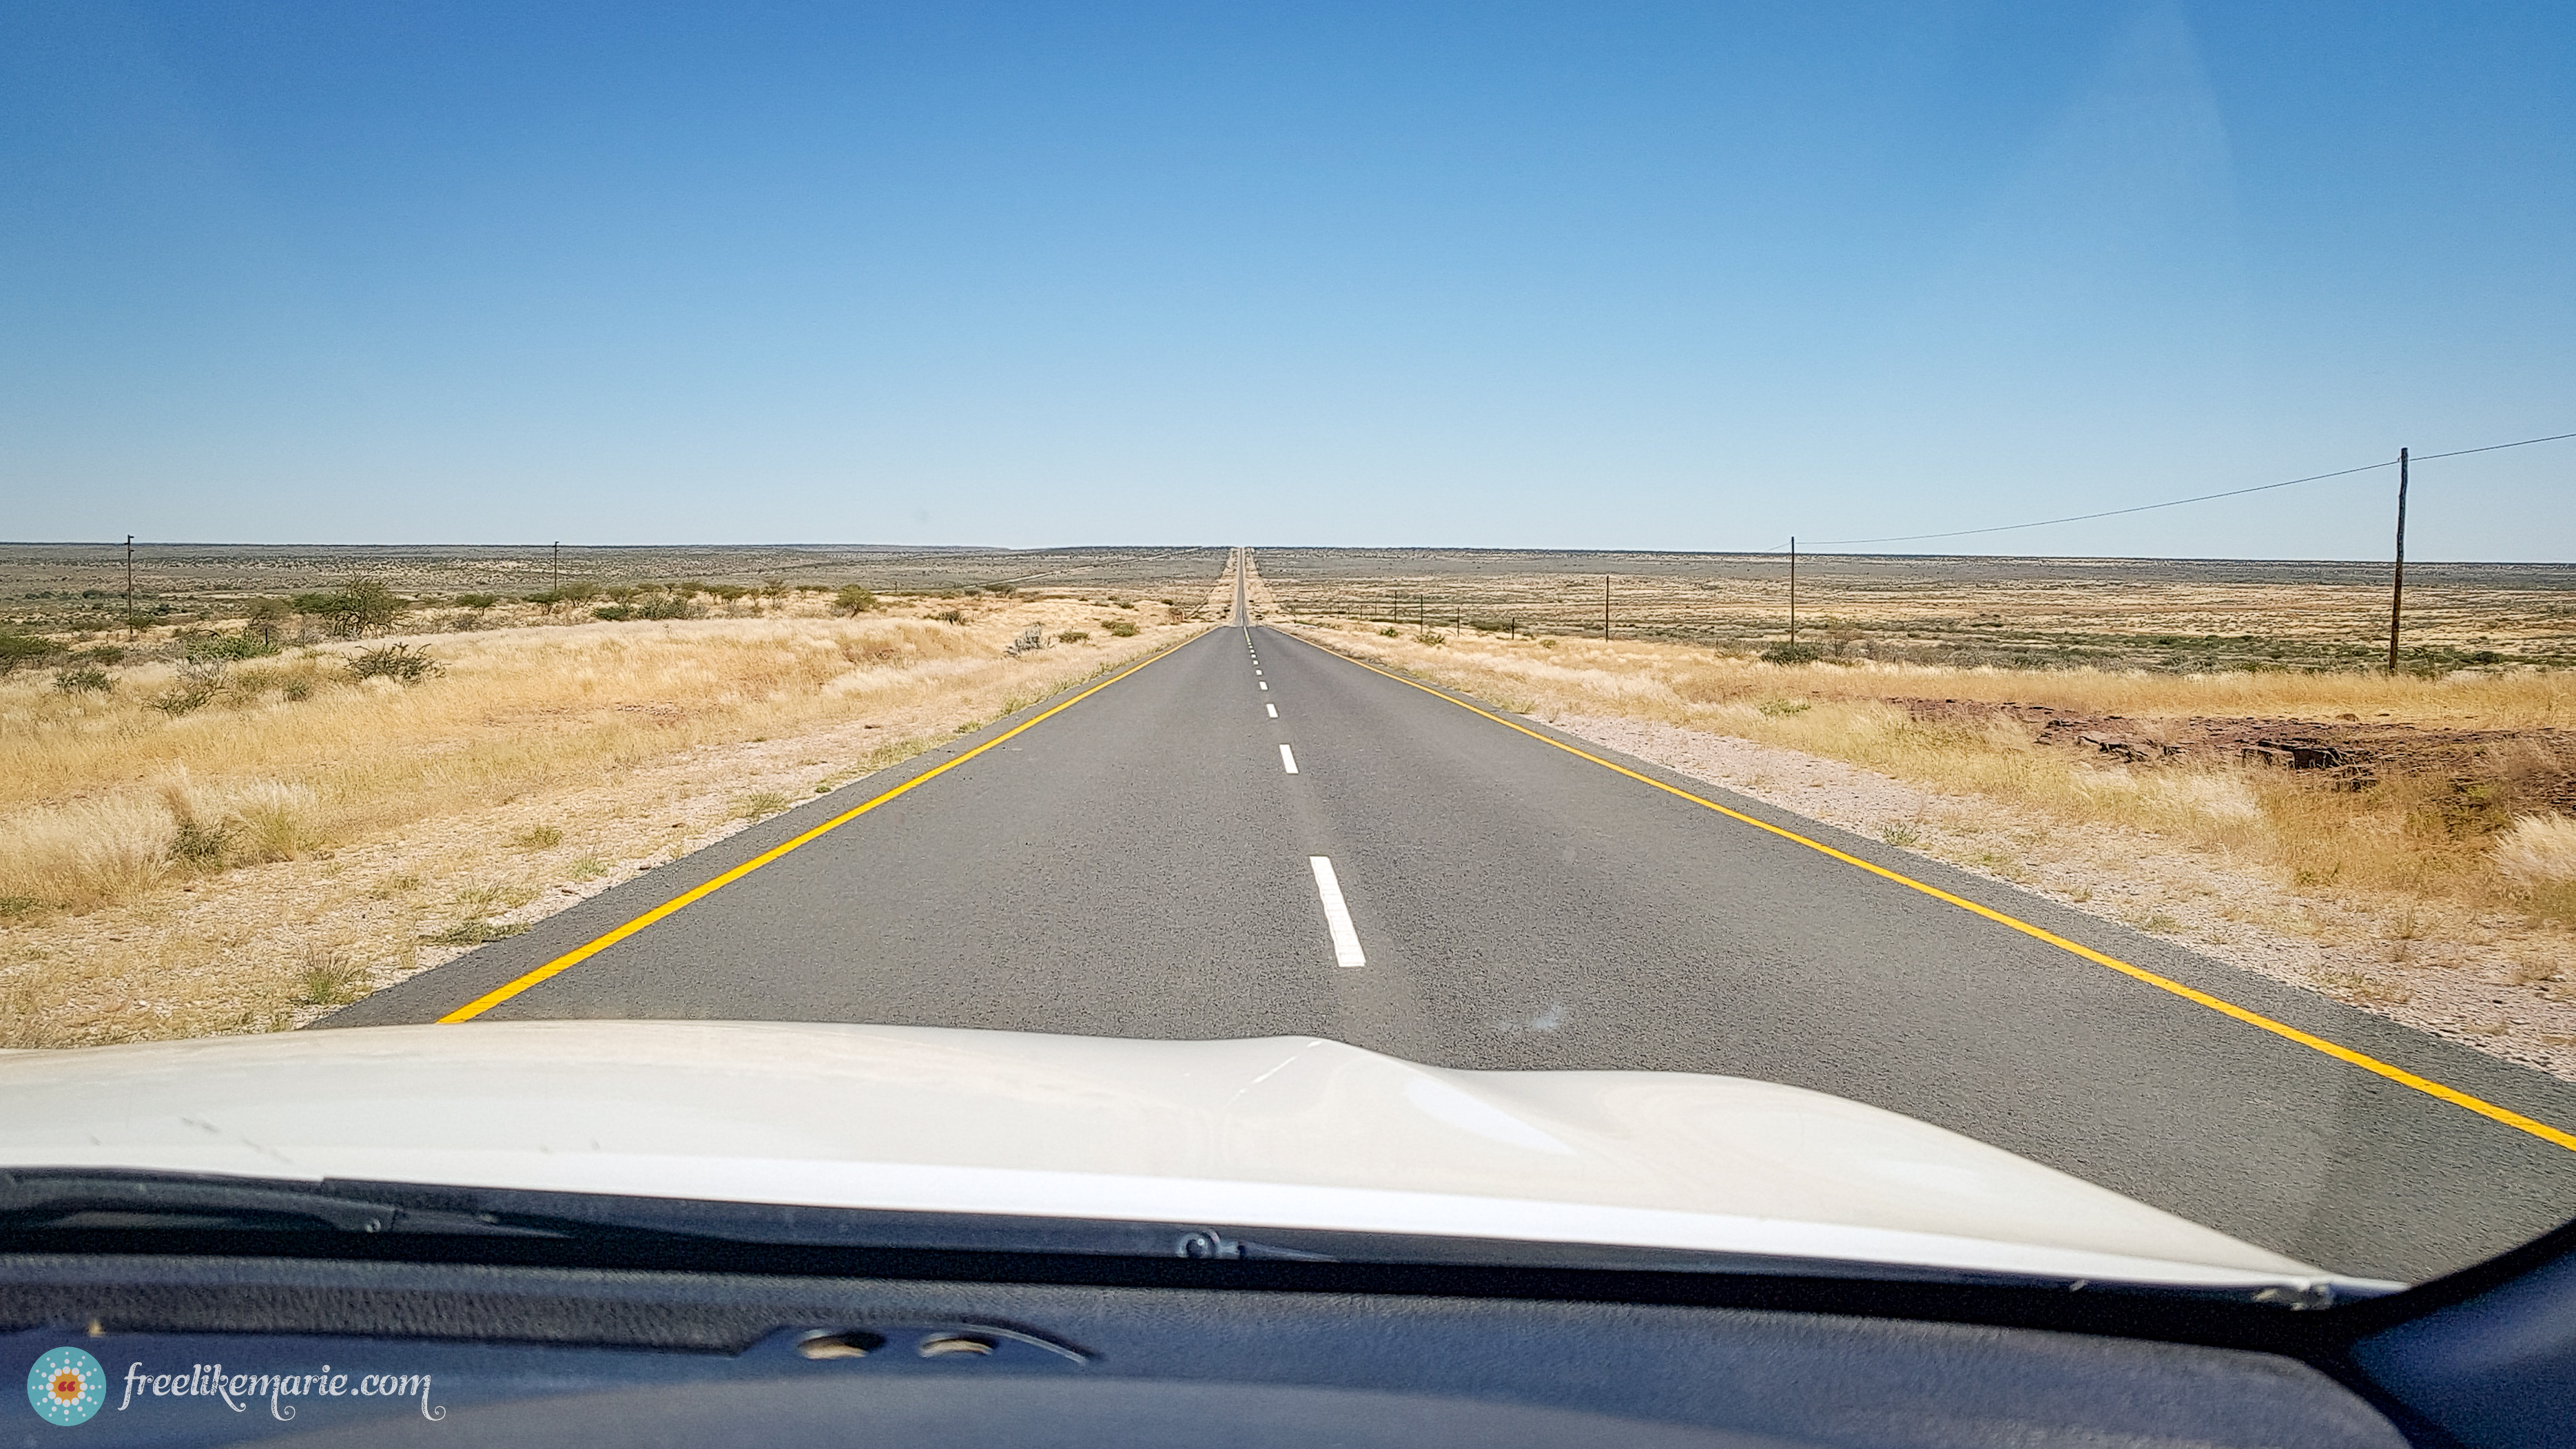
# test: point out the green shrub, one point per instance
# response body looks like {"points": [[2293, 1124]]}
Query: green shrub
{"points": [[666, 606], [89, 680], [356, 607], [1123, 628], [853, 599], [17, 649], [538, 837], [244, 645], [1777, 708], [1430, 636], [1793, 654], [1073, 636], [613, 613], [1390, 631], [406, 662], [477, 601], [100, 654]]}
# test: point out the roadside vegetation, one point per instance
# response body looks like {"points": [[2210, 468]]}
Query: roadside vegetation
{"points": [[207, 832]]}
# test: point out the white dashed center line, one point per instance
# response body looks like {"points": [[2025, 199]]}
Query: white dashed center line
{"points": [[1288, 759], [1337, 916], [1265, 686], [1274, 710]]}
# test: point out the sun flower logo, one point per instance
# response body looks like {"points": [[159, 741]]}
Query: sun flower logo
{"points": [[66, 1387]]}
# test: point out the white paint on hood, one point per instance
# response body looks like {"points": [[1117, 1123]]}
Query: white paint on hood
{"points": [[1276, 1132]]}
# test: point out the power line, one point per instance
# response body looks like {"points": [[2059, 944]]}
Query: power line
{"points": [[2179, 502]]}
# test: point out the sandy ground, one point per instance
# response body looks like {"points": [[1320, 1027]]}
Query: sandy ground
{"points": [[2452, 988]]}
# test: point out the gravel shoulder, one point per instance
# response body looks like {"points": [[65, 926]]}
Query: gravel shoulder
{"points": [[2225, 910]]}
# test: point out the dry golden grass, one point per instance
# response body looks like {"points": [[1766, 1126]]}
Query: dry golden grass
{"points": [[263, 856], [2406, 850]]}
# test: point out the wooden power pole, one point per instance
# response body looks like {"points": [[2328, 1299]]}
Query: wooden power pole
{"points": [[1793, 588], [2397, 584]]}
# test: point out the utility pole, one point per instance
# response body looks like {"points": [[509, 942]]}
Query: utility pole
{"points": [[2397, 587], [1605, 608], [558, 584], [129, 573], [1793, 588]]}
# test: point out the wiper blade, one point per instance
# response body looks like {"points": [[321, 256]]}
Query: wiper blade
{"points": [[87, 1200]]}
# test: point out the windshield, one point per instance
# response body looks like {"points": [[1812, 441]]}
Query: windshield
{"points": [[1909, 642]]}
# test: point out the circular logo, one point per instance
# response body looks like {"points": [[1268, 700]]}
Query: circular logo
{"points": [[67, 1386]]}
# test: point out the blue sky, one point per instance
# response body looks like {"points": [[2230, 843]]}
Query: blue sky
{"points": [[1579, 275]]}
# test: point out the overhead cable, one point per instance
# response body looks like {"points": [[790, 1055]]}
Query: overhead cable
{"points": [[2179, 502]]}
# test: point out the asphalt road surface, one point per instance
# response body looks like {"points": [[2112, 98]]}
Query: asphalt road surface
{"points": [[1145, 862]]}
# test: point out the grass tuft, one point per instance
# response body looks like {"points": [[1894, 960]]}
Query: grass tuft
{"points": [[474, 933], [329, 979]]}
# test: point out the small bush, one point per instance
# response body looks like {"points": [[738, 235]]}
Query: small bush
{"points": [[200, 680], [1781, 708], [589, 867], [1431, 636], [614, 613], [538, 837], [666, 606], [949, 616], [100, 654], [1793, 654], [1390, 631], [1122, 628], [406, 662], [854, 600], [1073, 636], [18, 908], [244, 645], [1901, 835], [477, 601], [77, 681], [760, 803], [1495, 626], [17, 649]]}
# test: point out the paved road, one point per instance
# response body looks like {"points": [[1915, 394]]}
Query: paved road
{"points": [[1141, 864]]}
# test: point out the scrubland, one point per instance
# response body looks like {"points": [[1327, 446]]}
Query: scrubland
{"points": [[191, 850], [2436, 863]]}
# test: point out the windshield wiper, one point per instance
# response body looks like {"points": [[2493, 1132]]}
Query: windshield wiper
{"points": [[81, 1199]]}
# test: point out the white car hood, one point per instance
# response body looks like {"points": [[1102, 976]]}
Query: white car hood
{"points": [[1280, 1132]]}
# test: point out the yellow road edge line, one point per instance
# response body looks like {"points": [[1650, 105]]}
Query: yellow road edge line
{"points": [[588, 949], [2399, 1075]]}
